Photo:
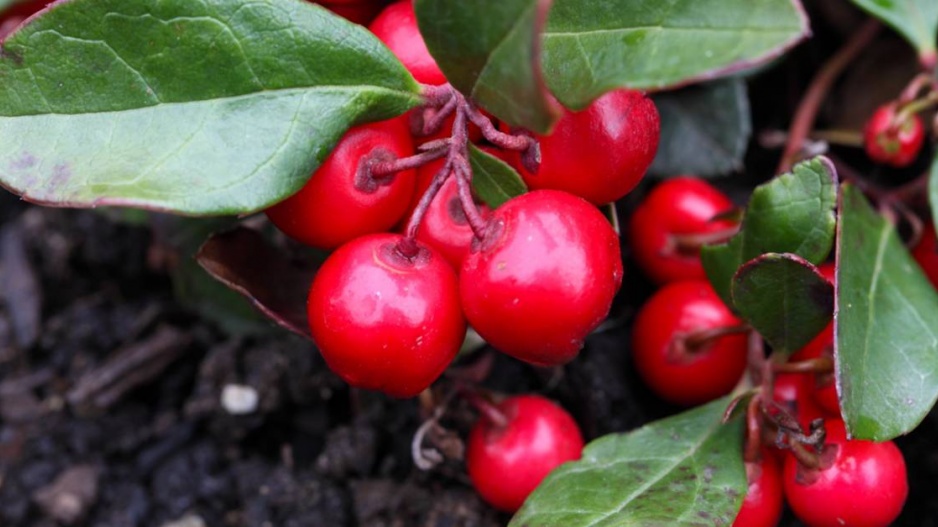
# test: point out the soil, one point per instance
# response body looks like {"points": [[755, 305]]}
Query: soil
{"points": [[122, 407]]}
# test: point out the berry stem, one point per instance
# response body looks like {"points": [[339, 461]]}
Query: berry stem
{"points": [[486, 407], [810, 103], [496, 137], [753, 429], [386, 168], [699, 339], [815, 365], [475, 219], [691, 243]]}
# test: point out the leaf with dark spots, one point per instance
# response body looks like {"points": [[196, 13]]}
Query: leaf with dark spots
{"points": [[669, 472], [200, 108], [20, 290], [886, 326], [783, 297], [244, 261]]}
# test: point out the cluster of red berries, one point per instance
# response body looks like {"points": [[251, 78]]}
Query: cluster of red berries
{"points": [[892, 136]]}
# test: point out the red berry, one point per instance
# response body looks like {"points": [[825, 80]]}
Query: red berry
{"points": [[543, 276], [445, 227], [674, 368], [892, 142], [678, 206], [859, 483], [358, 11], [601, 152], [763, 504], [926, 253], [338, 204], [16, 14], [506, 463], [383, 321], [396, 26], [793, 392]]}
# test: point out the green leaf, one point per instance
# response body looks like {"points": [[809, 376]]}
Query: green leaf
{"points": [[933, 191], [704, 129], [593, 47], [493, 180], [887, 327], [916, 20], [792, 213], [210, 107], [784, 298], [488, 50], [683, 470]]}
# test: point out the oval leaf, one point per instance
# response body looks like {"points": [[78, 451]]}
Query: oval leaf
{"points": [[704, 129], [490, 50], [244, 261], [886, 332], [593, 47], [916, 20], [210, 107], [493, 180], [683, 470], [793, 213], [784, 298]]}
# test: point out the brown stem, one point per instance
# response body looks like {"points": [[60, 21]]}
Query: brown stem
{"points": [[915, 86], [806, 457], [691, 243], [817, 365], [436, 121], [753, 429], [755, 359], [810, 103], [698, 339], [486, 408]]}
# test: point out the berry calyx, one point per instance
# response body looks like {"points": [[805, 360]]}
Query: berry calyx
{"points": [[542, 277], [858, 483], [670, 361], [396, 26], [662, 228], [892, 138], [343, 199], [762, 506], [506, 461], [383, 321], [599, 153]]}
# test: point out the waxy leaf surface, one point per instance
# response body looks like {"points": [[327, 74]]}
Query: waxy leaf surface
{"points": [[489, 50], [493, 180], [684, 470], [792, 213], [593, 47], [887, 327], [210, 107], [704, 129], [784, 298]]}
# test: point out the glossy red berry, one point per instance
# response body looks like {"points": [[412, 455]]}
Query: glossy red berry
{"points": [[762, 506], [358, 11], [601, 152], [507, 461], [671, 364], [383, 321], [341, 201], [543, 276], [859, 483], [889, 141], [926, 253], [682, 206], [396, 26]]}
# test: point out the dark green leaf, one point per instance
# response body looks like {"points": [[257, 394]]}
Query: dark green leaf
{"points": [[493, 180], [784, 298], [887, 327], [704, 129], [685, 470], [916, 20], [793, 213], [211, 107], [488, 50], [593, 47]]}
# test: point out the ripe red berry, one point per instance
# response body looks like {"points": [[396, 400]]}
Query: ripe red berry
{"points": [[682, 206], [341, 201], [358, 11], [383, 321], [601, 152], [507, 461], [396, 26], [926, 253], [859, 483], [676, 368], [889, 141], [543, 276], [16, 14], [763, 504], [445, 227]]}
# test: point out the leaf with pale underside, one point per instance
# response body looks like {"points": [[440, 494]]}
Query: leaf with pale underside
{"points": [[785, 298], [489, 50], [685, 470], [792, 213], [210, 107], [493, 180], [887, 327], [593, 47]]}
